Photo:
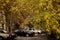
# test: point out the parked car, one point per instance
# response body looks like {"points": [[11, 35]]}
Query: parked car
{"points": [[29, 32], [35, 32], [26, 32], [19, 32], [5, 35]]}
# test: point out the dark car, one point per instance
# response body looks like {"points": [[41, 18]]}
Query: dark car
{"points": [[23, 32], [20, 32]]}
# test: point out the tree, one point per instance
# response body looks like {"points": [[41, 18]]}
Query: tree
{"points": [[43, 13]]}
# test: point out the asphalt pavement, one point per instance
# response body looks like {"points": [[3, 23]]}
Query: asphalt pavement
{"points": [[31, 38]]}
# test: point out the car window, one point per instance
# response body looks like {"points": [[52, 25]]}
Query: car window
{"points": [[30, 29]]}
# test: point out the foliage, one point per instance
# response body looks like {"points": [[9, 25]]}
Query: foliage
{"points": [[40, 13]]}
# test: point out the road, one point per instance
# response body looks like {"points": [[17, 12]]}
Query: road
{"points": [[31, 38]]}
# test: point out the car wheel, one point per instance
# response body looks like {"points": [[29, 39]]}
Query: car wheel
{"points": [[31, 35], [1, 38]]}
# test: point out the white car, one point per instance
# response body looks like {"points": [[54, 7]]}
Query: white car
{"points": [[3, 34], [35, 30]]}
